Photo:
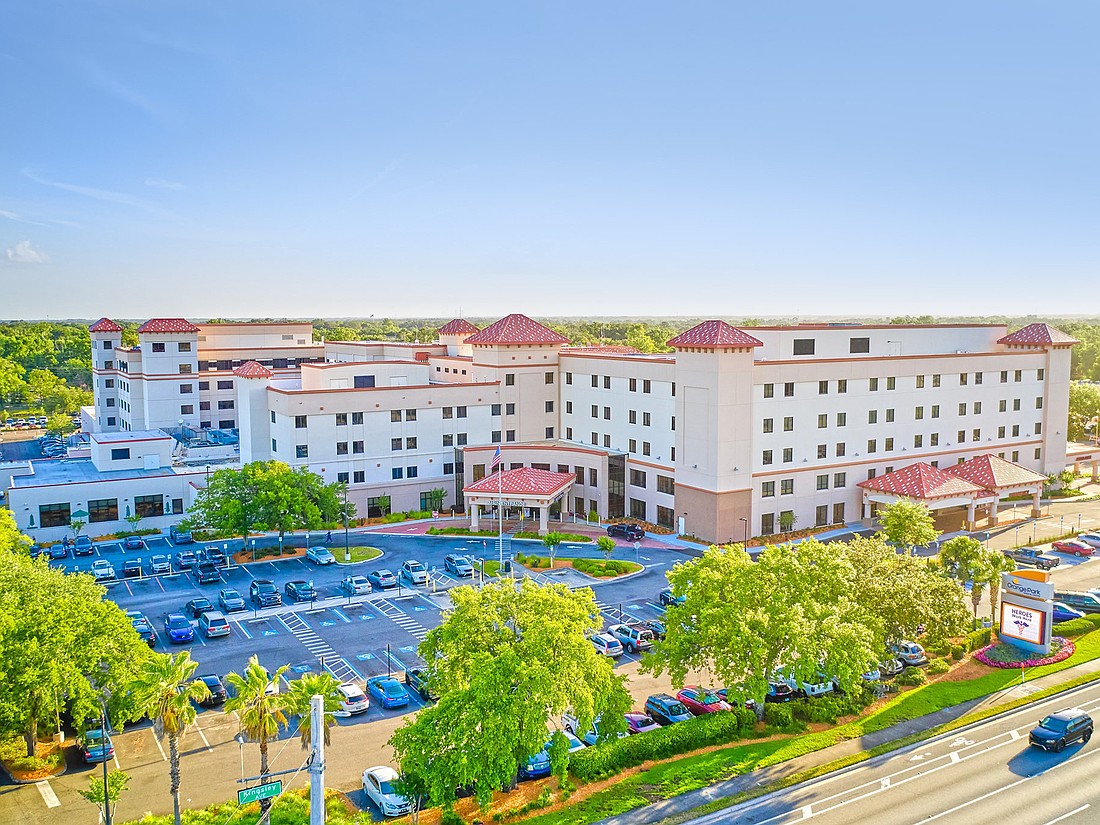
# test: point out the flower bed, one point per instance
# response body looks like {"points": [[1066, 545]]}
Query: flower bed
{"points": [[1000, 654]]}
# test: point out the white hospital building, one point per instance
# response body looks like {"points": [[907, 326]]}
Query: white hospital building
{"points": [[734, 433]]}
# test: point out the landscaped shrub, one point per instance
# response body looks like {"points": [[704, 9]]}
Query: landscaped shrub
{"points": [[938, 666], [778, 716], [1073, 628], [957, 652], [1094, 618], [911, 676], [821, 708], [450, 817], [978, 638], [615, 755]]}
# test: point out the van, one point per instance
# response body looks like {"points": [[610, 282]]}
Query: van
{"points": [[213, 623]]}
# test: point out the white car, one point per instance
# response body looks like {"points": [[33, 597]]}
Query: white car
{"points": [[355, 585], [161, 564], [378, 787], [607, 645], [414, 571], [103, 570], [320, 555], [352, 698]]}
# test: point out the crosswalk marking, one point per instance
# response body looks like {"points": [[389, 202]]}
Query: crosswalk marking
{"points": [[612, 612], [333, 662], [401, 619]]}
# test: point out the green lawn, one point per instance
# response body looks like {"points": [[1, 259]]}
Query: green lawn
{"points": [[357, 554], [490, 566]]}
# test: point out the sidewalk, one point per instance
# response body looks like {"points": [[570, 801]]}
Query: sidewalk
{"points": [[657, 811]]}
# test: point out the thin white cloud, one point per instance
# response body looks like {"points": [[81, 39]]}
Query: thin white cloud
{"points": [[159, 183], [15, 216], [24, 253], [105, 195], [102, 80]]}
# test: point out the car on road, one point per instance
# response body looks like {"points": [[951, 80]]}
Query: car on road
{"points": [[911, 654], [1032, 557], [666, 598], [159, 564], [701, 700], [217, 695], [262, 592], [207, 573], [1074, 547], [185, 560], [320, 555], [197, 606], [178, 629], [299, 591], [213, 623], [103, 570], [414, 571], [352, 699], [417, 679], [607, 645], [666, 710], [640, 722], [634, 638], [133, 543], [387, 690], [96, 746], [630, 532], [179, 535], [379, 788], [1085, 602], [459, 565], [231, 601], [83, 546], [1091, 539], [1064, 613], [382, 579], [1061, 728], [131, 569], [57, 551], [355, 585], [143, 626]]}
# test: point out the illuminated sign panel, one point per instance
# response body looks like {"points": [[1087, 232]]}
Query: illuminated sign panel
{"points": [[1022, 623]]}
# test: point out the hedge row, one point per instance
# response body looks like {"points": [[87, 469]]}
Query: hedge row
{"points": [[599, 567], [1077, 627]]}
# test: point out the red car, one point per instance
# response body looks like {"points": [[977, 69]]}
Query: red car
{"points": [[639, 722], [1074, 546], [701, 700]]}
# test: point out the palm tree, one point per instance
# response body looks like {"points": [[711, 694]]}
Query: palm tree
{"points": [[996, 564], [164, 692], [299, 696], [261, 713]]}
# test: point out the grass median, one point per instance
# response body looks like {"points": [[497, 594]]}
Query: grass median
{"points": [[358, 554]]}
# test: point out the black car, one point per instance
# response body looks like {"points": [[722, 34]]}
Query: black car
{"points": [[133, 543], [196, 607], [1060, 729], [630, 532], [654, 626], [217, 690], [299, 591], [207, 573], [417, 679], [131, 569], [83, 546], [1085, 602], [142, 626], [263, 593]]}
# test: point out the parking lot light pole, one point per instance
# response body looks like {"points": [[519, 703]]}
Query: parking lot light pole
{"points": [[347, 548], [387, 660]]}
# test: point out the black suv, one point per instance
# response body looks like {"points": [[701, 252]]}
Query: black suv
{"points": [[1060, 729], [264, 593], [630, 532], [1085, 602], [207, 573]]}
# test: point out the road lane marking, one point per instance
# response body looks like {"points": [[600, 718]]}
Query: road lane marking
{"points": [[807, 811], [49, 797], [1067, 816]]}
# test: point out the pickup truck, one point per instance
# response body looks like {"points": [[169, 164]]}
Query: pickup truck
{"points": [[1032, 557]]}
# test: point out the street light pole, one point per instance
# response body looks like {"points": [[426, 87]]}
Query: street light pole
{"points": [[745, 522], [347, 549]]}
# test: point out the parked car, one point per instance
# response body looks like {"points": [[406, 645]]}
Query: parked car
{"points": [[320, 555], [58, 552], [1074, 547], [299, 591], [1064, 727], [213, 623], [379, 788], [133, 543], [701, 700], [185, 560], [387, 690], [1091, 539], [83, 546], [666, 598], [217, 690], [382, 579], [414, 571], [890, 667], [780, 692], [634, 638], [96, 746], [263, 593], [654, 626], [1085, 602], [871, 674], [231, 600], [666, 710], [736, 698], [910, 653], [352, 698], [143, 626], [197, 606], [417, 679], [607, 645], [178, 629], [537, 766], [355, 585], [103, 570], [575, 744], [1031, 557], [817, 685], [459, 565], [630, 532], [589, 737], [179, 535], [215, 555], [640, 723], [207, 573], [131, 569], [159, 564], [1061, 612]]}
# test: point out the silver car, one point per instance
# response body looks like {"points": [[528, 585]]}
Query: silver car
{"points": [[320, 555], [160, 564], [355, 585]]}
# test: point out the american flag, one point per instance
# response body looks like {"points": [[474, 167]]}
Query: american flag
{"points": [[496, 459]]}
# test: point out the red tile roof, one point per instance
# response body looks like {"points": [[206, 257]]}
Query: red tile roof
{"points": [[167, 325], [517, 329], [458, 326], [921, 481], [522, 481], [252, 369], [714, 334], [992, 472], [1038, 334], [105, 325]]}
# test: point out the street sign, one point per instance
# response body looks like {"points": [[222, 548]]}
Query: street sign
{"points": [[265, 791]]}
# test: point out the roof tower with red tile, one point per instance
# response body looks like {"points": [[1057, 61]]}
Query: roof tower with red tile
{"points": [[1039, 335], [522, 481], [167, 326], [921, 481], [105, 325], [517, 329], [994, 473], [459, 326], [252, 369], [714, 334]]}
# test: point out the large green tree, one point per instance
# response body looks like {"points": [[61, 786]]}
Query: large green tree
{"points": [[907, 523], [506, 659], [298, 699], [11, 539], [1084, 406], [965, 560]]}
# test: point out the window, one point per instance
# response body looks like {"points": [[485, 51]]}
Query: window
{"points": [[149, 506], [460, 439], [1038, 453], [840, 479], [120, 454], [341, 448], [920, 382], [410, 443], [549, 432], [872, 384], [357, 418], [274, 446], [803, 346], [646, 385], [842, 419], [301, 451], [769, 425], [1040, 375], [788, 424], [109, 383], [838, 513], [1001, 432], [53, 515], [187, 389], [632, 416], [595, 410], [645, 419], [341, 419], [102, 509], [976, 435], [839, 450], [961, 436], [569, 378], [859, 345], [918, 441], [1015, 455], [935, 380], [449, 469], [962, 408], [509, 379], [978, 377], [1038, 428], [788, 455], [568, 408], [607, 413], [1015, 405], [935, 410], [767, 524], [637, 478], [549, 406], [918, 413], [934, 440], [226, 424], [110, 421], [666, 484], [769, 390], [110, 402], [891, 383], [357, 447], [638, 509], [448, 440], [225, 405], [510, 435], [633, 446], [396, 473], [872, 416], [646, 448], [460, 412], [411, 472], [1004, 376], [1018, 376], [569, 433], [225, 385], [1039, 403], [595, 381], [395, 444], [822, 421], [187, 409], [509, 409], [977, 408], [766, 457], [449, 412], [767, 489], [872, 445], [889, 445], [185, 369], [395, 416], [963, 378], [410, 415], [871, 473], [822, 450], [343, 478], [158, 346], [823, 482], [842, 385], [548, 377], [607, 441], [821, 515], [299, 422], [786, 487], [593, 477], [788, 390]]}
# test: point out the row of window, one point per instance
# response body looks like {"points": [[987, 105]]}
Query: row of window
{"points": [[787, 519], [301, 422], [891, 382], [786, 485], [768, 424], [665, 484], [631, 383], [106, 509]]}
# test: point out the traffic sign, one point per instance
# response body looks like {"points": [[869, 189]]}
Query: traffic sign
{"points": [[265, 791]]}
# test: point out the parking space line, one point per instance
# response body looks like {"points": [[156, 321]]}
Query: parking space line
{"points": [[157, 580], [127, 585], [341, 616], [118, 765], [160, 747], [48, 795], [241, 628], [202, 735]]}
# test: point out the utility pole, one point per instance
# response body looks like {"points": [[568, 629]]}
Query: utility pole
{"points": [[317, 761], [103, 744]]}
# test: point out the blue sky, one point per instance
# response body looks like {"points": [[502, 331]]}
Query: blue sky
{"points": [[559, 158]]}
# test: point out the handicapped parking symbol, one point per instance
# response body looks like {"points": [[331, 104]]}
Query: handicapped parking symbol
{"points": [[271, 632], [301, 668], [365, 616], [409, 649], [327, 623], [419, 609], [362, 657]]}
